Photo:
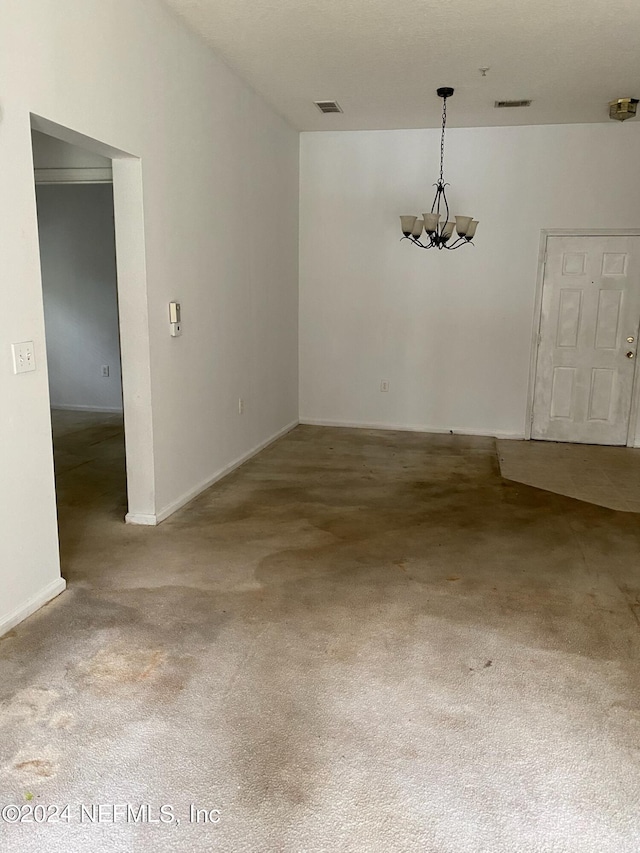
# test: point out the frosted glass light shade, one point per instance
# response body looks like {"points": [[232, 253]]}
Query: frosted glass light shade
{"points": [[447, 231], [462, 224], [471, 230], [431, 222], [407, 223], [417, 228]]}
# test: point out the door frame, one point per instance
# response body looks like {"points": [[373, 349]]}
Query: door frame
{"points": [[545, 233], [133, 315]]}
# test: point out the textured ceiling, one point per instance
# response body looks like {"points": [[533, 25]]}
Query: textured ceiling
{"points": [[383, 59]]}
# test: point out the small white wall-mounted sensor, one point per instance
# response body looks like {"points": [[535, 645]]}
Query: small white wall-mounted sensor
{"points": [[175, 326]]}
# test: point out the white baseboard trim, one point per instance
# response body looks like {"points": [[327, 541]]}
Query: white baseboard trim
{"points": [[139, 518], [66, 408], [43, 597], [411, 428]]}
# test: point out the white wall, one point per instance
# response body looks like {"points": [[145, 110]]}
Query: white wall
{"points": [[220, 184], [78, 263], [450, 331]]}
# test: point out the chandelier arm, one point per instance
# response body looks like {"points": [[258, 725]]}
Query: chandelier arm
{"points": [[419, 244], [461, 241], [446, 204]]}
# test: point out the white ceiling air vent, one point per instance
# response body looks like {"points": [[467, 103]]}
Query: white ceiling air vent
{"points": [[328, 106], [501, 104]]}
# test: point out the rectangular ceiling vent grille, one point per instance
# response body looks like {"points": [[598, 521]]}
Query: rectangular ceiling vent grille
{"points": [[501, 104], [328, 106]]}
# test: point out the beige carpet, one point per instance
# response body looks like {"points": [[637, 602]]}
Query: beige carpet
{"points": [[361, 641]]}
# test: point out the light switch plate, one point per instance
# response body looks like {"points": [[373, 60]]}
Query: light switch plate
{"points": [[24, 359]]}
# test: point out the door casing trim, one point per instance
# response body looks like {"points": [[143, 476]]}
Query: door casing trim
{"points": [[545, 233]]}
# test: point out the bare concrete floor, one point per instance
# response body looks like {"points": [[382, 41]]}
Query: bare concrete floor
{"points": [[360, 641]]}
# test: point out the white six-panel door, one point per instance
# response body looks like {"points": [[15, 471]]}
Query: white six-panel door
{"points": [[588, 340]]}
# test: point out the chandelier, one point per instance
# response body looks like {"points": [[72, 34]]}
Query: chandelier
{"points": [[439, 233]]}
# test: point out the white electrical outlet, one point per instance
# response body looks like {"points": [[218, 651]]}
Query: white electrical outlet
{"points": [[24, 357], [240, 406], [105, 371], [384, 385]]}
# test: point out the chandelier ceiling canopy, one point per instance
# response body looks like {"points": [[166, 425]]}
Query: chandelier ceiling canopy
{"points": [[438, 232]]}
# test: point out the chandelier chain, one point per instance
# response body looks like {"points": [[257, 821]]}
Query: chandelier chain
{"points": [[444, 124]]}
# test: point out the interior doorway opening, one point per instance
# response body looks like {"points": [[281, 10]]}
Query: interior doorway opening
{"points": [[79, 284], [75, 212], [96, 324]]}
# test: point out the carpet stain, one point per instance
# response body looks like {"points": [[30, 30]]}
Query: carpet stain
{"points": [[113, 667], [62, 721], [37, 767], [31, 766], [30, 705]]}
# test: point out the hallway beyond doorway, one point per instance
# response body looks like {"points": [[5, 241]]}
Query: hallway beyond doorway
{"points": [[88, 452]]}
